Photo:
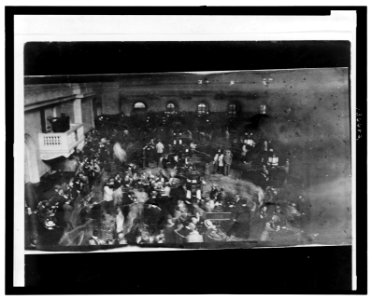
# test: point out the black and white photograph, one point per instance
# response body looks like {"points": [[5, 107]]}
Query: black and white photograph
{"points": [[202, 158], [197, 145]]}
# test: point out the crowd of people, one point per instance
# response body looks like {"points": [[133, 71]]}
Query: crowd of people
{"points": [[163, 189]]}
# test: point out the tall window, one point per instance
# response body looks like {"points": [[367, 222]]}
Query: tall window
{"points": [[170, 108], [232, 109], [202, 109]]}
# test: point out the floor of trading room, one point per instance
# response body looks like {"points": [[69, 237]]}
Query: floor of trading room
{"points": [[323, 221]]}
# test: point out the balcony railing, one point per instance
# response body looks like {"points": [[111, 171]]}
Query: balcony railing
{"points": [[56, 144]]}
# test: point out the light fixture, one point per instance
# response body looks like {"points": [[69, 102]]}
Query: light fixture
{"points": [[203, 81], [267, 81]]}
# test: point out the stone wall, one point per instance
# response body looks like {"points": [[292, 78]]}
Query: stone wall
{"points": [[310, 106], [43, 92], [33, 127]]}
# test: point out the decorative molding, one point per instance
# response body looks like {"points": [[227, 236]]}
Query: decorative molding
{"points": [[56, 101]]}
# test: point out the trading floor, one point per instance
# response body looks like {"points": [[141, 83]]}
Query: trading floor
{"points": [[172, 179]]}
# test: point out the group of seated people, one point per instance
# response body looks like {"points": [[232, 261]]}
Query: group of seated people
{"points": [[167, 202]]}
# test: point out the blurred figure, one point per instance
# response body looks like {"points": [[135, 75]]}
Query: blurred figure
{"points": [[216, 160], [209, 205], [213, 234], [241, 217], [120, 221], [118, 190], [227, 159], [270, 227], [214, 191], [119, 153], [193, 236], [193, 146], [159, 150], [108, 198], [221, 163], [273, 159]]}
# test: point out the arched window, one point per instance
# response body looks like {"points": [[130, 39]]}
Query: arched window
{"points": [[139, 106], [232, 109], [170, 108], [202, 109]]}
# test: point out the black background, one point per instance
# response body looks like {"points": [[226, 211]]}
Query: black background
{"points": [[136, 57], [285, 270]]}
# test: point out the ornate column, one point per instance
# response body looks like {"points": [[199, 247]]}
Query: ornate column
{"points": [[78, 115]]}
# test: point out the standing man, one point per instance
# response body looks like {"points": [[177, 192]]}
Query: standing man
{"points": [[215, 160], [244, 152], [214, 191], [228, 161], [221, 163], [108, 196], [149, 153], [227, 133], [31, 220], [159, 150]]}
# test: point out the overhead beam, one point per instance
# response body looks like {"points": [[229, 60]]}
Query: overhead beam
{"points": [[56, 101]]}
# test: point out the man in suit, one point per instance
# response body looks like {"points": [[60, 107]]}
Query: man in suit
{"points": [[216, 160], [227, 162], [159, 150], [31, 221]]}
